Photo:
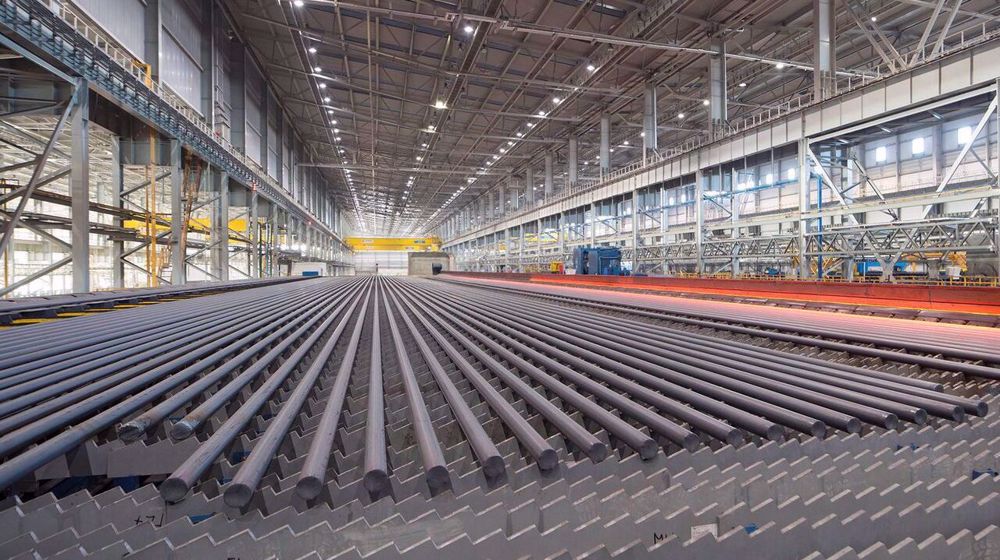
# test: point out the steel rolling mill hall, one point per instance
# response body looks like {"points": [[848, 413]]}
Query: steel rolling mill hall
{"points": [[500, 279]]}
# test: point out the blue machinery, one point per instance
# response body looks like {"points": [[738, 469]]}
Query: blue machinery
{"points": [[598, 260]]}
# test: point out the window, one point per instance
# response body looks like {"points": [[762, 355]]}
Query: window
{"points": [[768, 179], [880, 154], [791, 174], [917, 146], [964, 135]]}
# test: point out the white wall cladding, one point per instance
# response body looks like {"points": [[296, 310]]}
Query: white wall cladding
{"points": [[180, 49], [123, 19]]}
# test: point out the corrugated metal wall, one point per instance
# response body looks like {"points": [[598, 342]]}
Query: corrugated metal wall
{"points": [[255, 111], [124, 19], [180, 50]]}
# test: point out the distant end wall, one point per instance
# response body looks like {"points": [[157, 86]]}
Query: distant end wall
{"points": [[422, 263]]}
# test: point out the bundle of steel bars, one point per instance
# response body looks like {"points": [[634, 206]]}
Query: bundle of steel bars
{"points": [[290, 394]]}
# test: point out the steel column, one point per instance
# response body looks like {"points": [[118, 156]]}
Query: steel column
{"points": [[699, 225], [549, 181], [572, 163], [605, 149], [178, 274], [824, 49], [254, 248], [717, 95], [649, 122], [79, 188]]}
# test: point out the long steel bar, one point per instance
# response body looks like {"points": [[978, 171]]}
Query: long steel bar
{"points": [[301, 322], [803, 422], [638, 352], [435, 466], [696, 418], [856, 349], [565, 376], [104, 409], [974, 344], [313, 473], [484, 448], [635, 439], [376, 479], [177, 485], [584, 440], [247, 478], [50, 415], [542, 452]]}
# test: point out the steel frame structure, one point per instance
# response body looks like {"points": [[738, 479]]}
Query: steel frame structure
{"points": [[817, 237], [69, 50]]}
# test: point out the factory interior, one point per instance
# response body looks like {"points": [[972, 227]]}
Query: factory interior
{"points": [[522, 279]]}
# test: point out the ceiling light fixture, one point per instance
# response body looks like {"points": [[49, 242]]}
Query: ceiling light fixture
{"points": [[591, 68], [440, 104], [743, 84], [312, 50], [680, 115], [705, 102], [468, 29], [780, 65]]}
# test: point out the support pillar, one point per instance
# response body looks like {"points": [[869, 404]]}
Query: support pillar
{"points": [[734, 232], [803, 174], [548, 175], [717, 103], [79, 179], [529, 186], [271, 254], [649, 135], [699, 219], [593, 224], [220, 229], [502, 202], [635, 230], [178, 261], [117, 245], [605, 153], [573, 163], [253, 224], [824, 49]]}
